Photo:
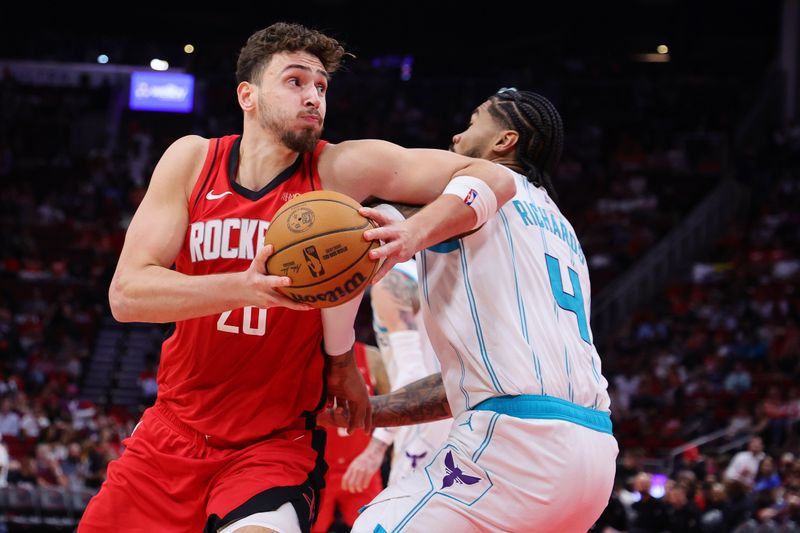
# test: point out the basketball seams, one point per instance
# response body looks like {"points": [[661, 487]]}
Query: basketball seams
{"points": [[310, 200], [293, 229], [316, 235]]}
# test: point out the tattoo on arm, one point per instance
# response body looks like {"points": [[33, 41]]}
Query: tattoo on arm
{"points": [[421, 401], [405, 294]]}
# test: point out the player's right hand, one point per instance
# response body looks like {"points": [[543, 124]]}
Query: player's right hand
{"points": [[262, 286]]}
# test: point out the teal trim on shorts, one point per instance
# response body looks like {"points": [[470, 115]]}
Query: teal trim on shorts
{"points": [[530, 406], [379, 529]]}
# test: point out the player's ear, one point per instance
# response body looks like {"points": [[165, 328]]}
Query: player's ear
{"points": [[506, 141], [247, 96]]}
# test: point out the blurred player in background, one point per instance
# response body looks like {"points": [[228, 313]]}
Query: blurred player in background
{"points": [[406, 355]]}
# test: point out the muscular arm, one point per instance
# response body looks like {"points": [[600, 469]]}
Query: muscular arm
{"points": [[372, 168], [421, 401], [144, 287]]}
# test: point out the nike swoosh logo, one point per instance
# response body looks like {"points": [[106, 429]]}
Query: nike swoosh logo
{"points": [[212, 196]]}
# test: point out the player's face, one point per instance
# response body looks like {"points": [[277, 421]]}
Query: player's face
{"points": [[479, 137], [291, 99]]}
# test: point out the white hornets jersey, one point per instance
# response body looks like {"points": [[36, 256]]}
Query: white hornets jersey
{"points": [[507, 308]]}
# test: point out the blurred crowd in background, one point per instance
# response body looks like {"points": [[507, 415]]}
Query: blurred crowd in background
{"points": [[705, 379]]}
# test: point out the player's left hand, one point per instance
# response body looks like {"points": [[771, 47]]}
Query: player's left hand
{"points": [[346, 388], [398, 240], [363, 467]]}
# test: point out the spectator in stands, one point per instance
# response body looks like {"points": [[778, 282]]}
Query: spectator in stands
{"points": [[682, 514], [649, 513], [777, 410], [9, 418], [4, 463], [739, 379], [767, 477], [716, 501], [744, 465]]}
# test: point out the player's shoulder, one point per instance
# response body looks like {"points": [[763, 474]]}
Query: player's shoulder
{"points": [[188, 146], [182, 162], [344, 166]]}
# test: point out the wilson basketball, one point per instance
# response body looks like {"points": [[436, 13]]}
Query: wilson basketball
{"points": [[318, 242]]}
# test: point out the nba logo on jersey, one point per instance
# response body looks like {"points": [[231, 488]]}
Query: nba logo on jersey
{"points": [[470, 197]]}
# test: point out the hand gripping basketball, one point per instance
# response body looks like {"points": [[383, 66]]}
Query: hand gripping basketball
{"points": [[319, 244]]}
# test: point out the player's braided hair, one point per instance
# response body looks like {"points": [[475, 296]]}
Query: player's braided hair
{"points": [[285, 37], [541, 133]]}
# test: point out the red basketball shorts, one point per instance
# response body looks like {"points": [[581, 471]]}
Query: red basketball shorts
{"points": [[348, 502], [171, 479]]}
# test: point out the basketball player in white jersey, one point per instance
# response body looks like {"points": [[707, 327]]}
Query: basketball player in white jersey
{"points": [[406, 356], [507, 311]]}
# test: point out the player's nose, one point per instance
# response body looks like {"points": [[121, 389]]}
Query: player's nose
{"points": [[312, 97]]}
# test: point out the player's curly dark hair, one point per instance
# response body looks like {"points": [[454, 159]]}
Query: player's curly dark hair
{"points": [[541, 133], [285, 37]]}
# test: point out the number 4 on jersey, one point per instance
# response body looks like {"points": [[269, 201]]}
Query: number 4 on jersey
{"points": [[569, 302]]}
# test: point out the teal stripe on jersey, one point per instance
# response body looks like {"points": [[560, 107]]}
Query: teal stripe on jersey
{"points": [[523, 322], [541, 229], [523, 319], [595, 373], [473, 308], [463, 374], [417, 508], [424, 259], [486, 439], [537, 366], [570, 390]]}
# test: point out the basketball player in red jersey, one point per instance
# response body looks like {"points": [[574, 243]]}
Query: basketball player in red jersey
{"points": [[340, 450], [231, 443]]}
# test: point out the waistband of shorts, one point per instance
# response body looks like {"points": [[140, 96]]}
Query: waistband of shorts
{"points": [[163, 411], [530, 406]]}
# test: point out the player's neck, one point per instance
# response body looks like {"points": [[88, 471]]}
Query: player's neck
{"points": [[261, 160], [510, 163]]}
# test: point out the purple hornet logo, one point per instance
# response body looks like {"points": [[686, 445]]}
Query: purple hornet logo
{"points": [[415, 458], [455, 475]]}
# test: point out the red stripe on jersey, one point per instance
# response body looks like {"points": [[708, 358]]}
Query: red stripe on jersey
{"points": [[242, 374]]}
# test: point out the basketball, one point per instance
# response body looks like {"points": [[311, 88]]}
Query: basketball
{"points": [[318, 242]]}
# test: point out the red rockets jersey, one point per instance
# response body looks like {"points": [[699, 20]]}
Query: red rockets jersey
{"points": [[342, 448], [239, 375]]}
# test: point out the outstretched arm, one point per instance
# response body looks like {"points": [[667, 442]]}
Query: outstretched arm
{"points": [[421, 401], [371, 168]]}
